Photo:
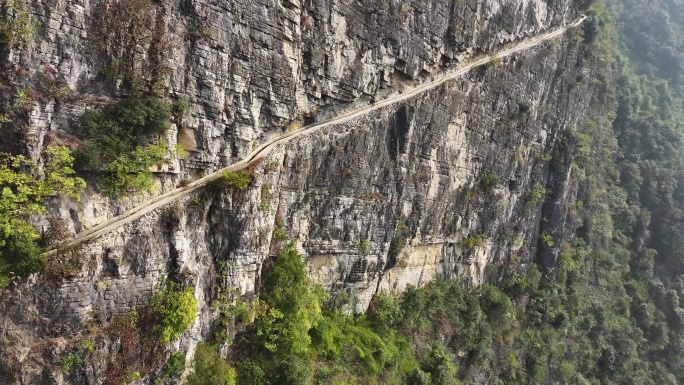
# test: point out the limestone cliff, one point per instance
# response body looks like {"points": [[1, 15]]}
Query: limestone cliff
{"points": [[437, 185]]}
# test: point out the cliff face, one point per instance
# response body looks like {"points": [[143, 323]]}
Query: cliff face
{"points": [[437, 185]]}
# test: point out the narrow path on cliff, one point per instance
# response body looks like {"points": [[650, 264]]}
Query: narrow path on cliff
{"points": [[263, 150]]}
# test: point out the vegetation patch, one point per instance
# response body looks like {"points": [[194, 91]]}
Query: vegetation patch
{"points": [[472, 241], [174, 309], [116, 143], [546, 239], [15, 23], [488, 182], [23, 189], [210, 368], [76, 358], [238, 181], [534, 197]]}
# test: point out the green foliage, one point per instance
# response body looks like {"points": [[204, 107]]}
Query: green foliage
{"points": [[174, 309], [15, 23], [125, 124], [534, 197], [266, 194], [363, 247], [68, 363], [264, 207], [294, 306], [131, 172], [294, 370], [546, 239], [180, 109], [180, 151], [175, 365], [386, 309], [488, 182], [251, 372], [279, 232], [339, 337], [494, 302], [117, 143], [419, 377], [238, 180], [440, 364], [23, 189], [472, 241], [230, 180], [233, 309], [210, 368], [74, 359]]}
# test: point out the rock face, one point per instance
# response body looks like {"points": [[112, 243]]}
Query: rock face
{"points": [[437, 185]]}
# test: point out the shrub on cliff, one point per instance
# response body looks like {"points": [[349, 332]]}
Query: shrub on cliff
{"points": [[210, 368], [130, 172], [23, 189], [295, 306], [15, 23], [117, 143], [239, 181], [174, 310]]}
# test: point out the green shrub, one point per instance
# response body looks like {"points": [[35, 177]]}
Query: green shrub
{"points": [[20, 254], [23, 190], [266, 194], [174, 309], [341, 337], [363, 247], [117, 143], [472, 241], [15, 23], [440, 365], [534, 196], [126, 124], [280, 233], [493, 301], [294, 306], [488, 182], [230, 180], [175, 365], [131, 172], [251, 372], [387, 310], [238, 180], [210, 368], [294, 370], [419, 377], [77, 358], [546, 239], [180, 109], [264, 207]]}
